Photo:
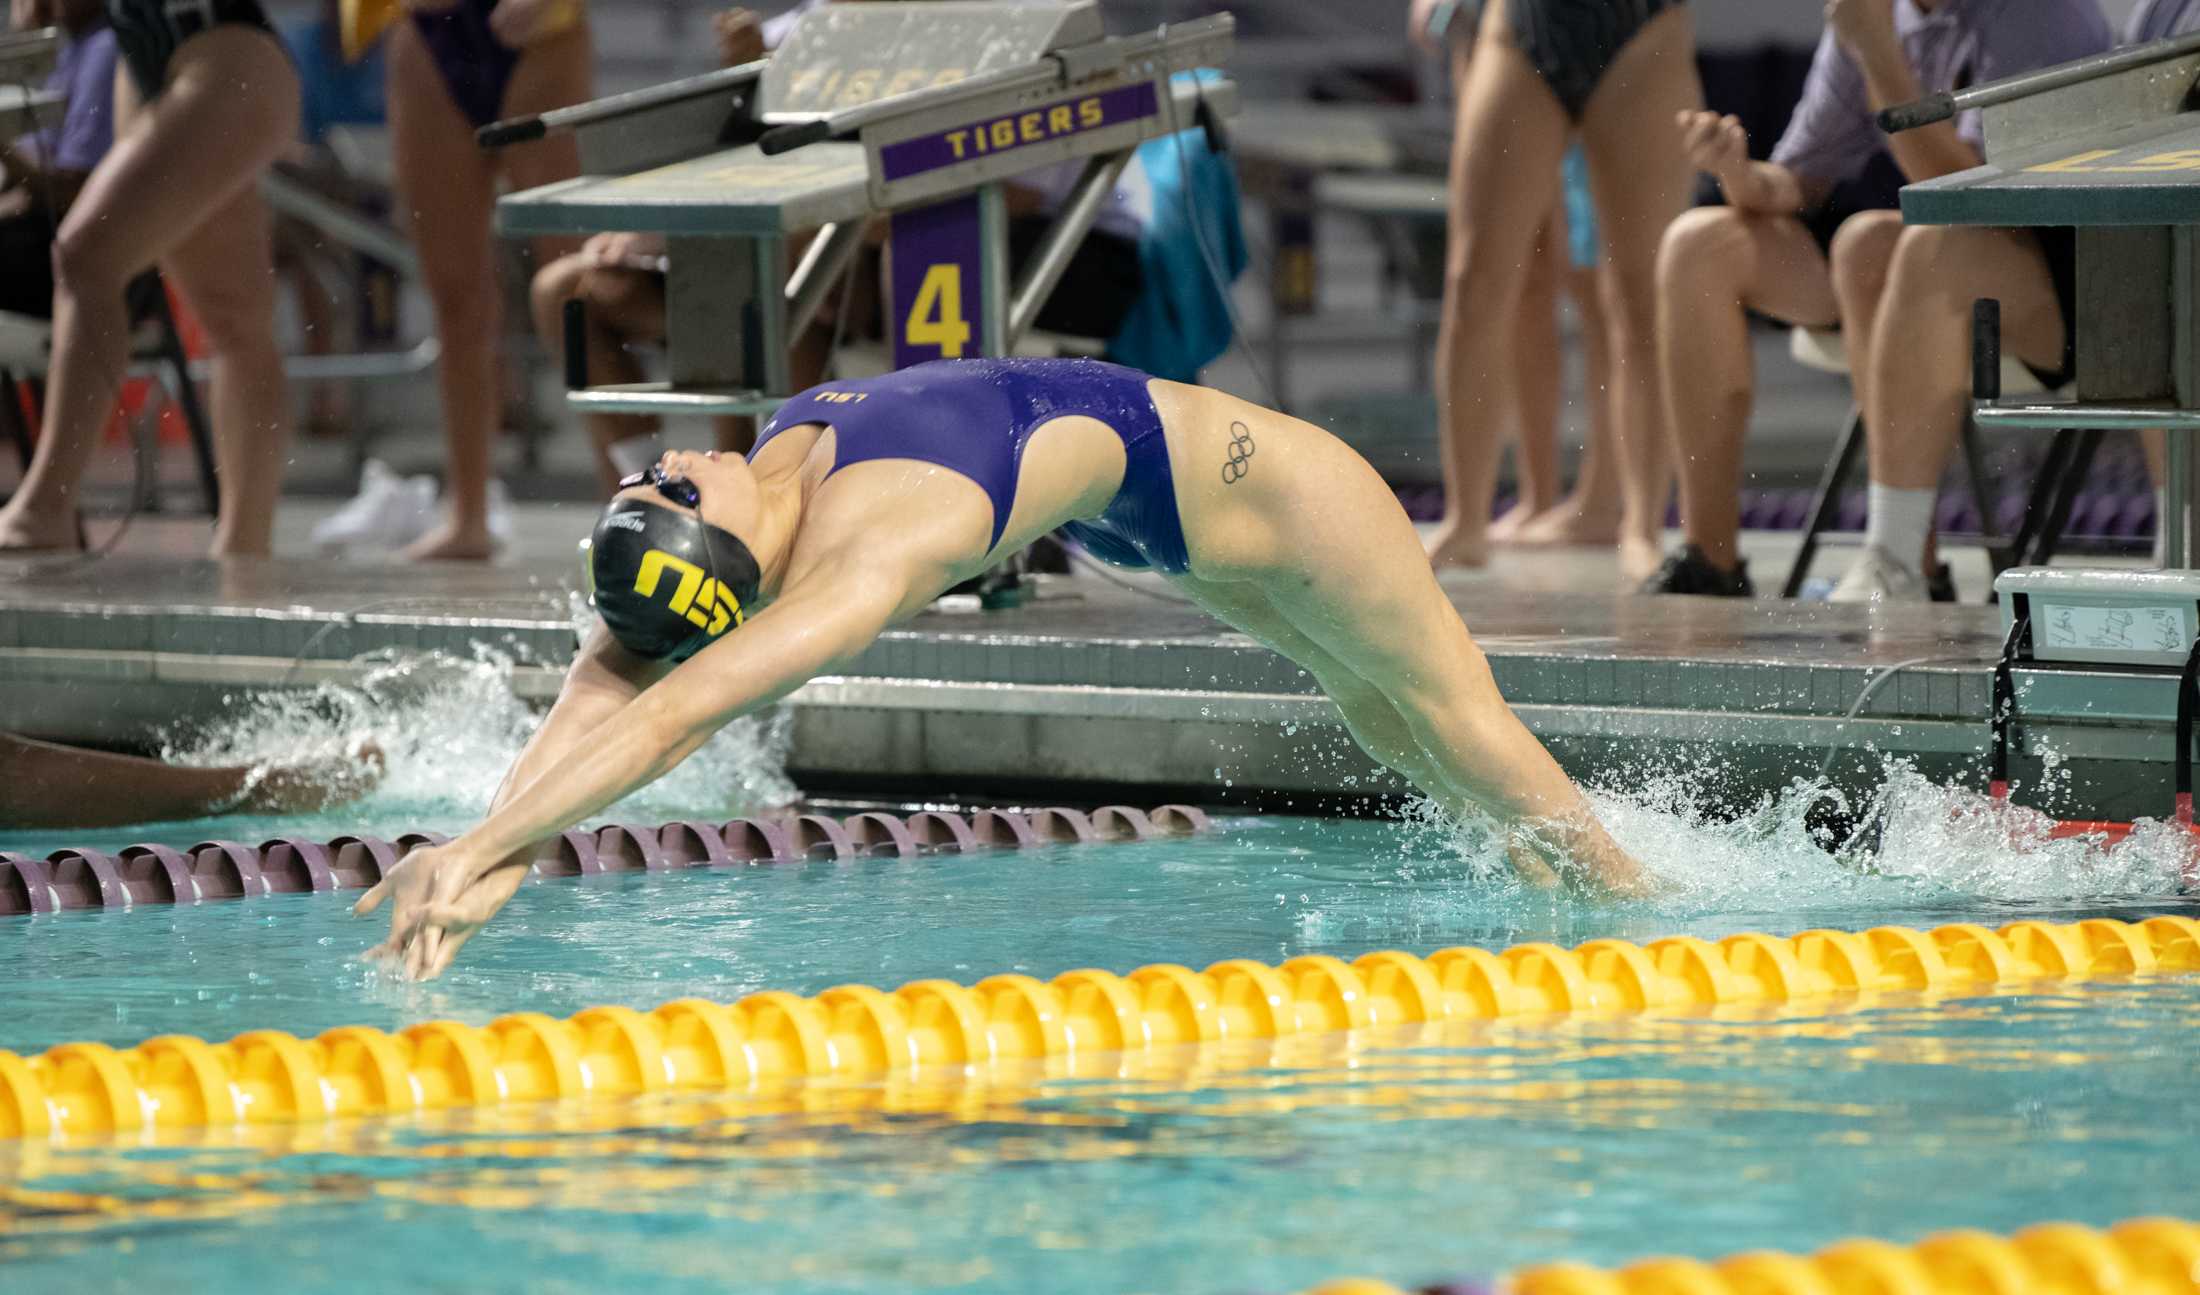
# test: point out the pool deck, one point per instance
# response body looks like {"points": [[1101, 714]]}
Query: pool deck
{"points": [[1097, 684]]}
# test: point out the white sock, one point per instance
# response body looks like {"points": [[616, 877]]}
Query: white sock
{"points": [[1900, 522], [635, 453]]}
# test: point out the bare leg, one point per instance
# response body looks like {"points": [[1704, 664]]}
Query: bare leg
{"points": [[447, 187], [1589, 514], [1918, 388], [44, 785], [296, 264], [1374, 723], [1423, 660], [1323, 542], [1862, 252], [223, 270], [229, 108], [1714, 264], [1536, 363], [1504, 178], [1641, 180]]}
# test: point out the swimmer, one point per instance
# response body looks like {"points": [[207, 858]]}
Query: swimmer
{"points": [[1609, 73], [1566, 254], [207, 99], [456, 66], [724, 584]]}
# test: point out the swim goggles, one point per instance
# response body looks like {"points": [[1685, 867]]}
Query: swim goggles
{"points": [[674, 487]]}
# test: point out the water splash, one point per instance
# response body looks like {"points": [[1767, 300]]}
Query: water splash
{"points": [[1922, 844], [449, 728]]}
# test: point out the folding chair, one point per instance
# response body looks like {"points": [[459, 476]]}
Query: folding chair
{"points": [[156, 346]]}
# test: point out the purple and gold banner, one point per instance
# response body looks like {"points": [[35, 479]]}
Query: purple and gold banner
{"points": [[935, 282], [1073, 116]]}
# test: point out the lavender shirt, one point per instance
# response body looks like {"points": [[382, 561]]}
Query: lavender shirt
{"points": [[1832, 135], [2159, 19], [84, 76]]}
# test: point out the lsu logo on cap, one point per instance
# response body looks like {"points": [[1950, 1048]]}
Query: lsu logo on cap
{"points": [[704, 601]]}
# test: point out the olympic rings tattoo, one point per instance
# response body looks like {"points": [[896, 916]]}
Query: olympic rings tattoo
{"points": [[1241, 455]]}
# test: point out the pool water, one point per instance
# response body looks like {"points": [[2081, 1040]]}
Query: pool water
{"points": [[1413, 1156]]}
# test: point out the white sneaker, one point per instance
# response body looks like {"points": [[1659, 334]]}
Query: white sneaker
{"points": [[1876, 577], [388, 513]]}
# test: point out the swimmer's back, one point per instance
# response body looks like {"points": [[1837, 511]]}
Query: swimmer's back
{"points": [[974, 418]]}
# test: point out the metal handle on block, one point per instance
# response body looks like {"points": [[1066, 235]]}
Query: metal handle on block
{"points": [[786, 139], [1986, 349]]}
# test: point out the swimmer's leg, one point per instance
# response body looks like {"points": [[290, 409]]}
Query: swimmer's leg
{"points": [[1506, 148], [229, 108], [1641, 180], [1589, 514], [1374, 723], [1351, 585], [447, 186], [218, 269], [1537, 359], [1918, 390], [1715, 265]]}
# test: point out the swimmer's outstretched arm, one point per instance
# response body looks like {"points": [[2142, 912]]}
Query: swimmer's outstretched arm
{"points": [[444, 895], [602, 680]]}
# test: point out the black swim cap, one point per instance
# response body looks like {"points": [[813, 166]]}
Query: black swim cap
{"points": [[668, 583]]}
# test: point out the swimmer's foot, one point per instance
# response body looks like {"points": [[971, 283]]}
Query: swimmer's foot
{"points": [[1571, 523], [1506, 529], [24, 532], [309, 788], [1453, 545], [1639, 559], [453, 542]]}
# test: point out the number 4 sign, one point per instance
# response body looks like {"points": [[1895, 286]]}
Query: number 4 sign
{"points": [[936, 281]]}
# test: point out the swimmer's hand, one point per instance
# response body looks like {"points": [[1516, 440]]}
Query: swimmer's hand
{"points": [[310, 787], [440, 896], [1601, 870], [619, 250], [1714, 144]]}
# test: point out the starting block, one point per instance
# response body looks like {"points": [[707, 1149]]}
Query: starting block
{"points": [[2104, 631], [918, 112], [2111, 146]]}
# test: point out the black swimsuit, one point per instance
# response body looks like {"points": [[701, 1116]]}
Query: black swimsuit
{"points": [[149, 32], [1572, 43]]}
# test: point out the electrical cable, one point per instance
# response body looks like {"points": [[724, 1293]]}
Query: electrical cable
{"points": [[1238, 339], [1871, 689], [1207, 254], [342, 620]]}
